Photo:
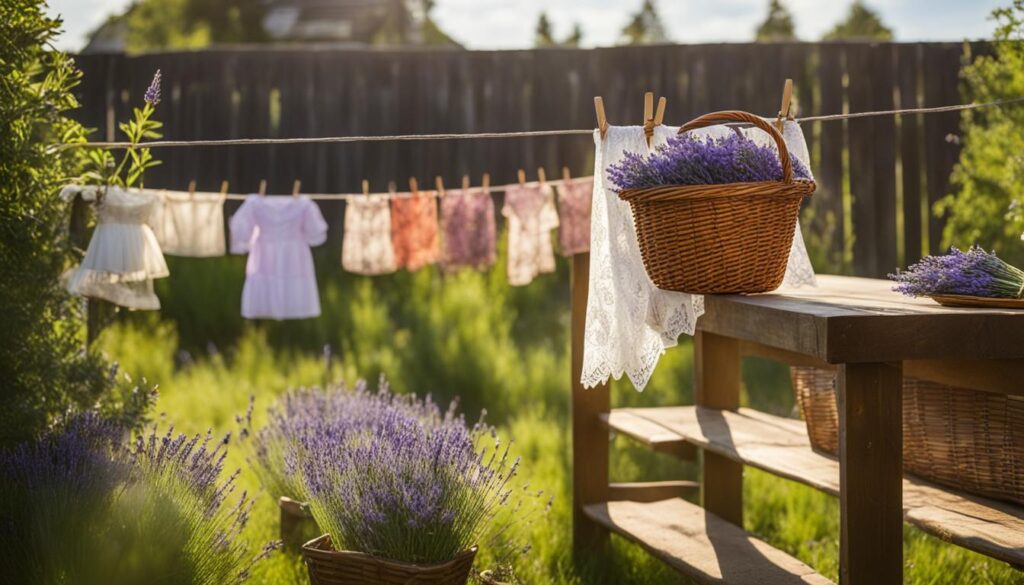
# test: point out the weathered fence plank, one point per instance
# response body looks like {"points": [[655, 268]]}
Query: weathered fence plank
{"points": [[263, 92]]}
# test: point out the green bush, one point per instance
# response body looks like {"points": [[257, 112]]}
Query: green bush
{"points": [[987, 207]]}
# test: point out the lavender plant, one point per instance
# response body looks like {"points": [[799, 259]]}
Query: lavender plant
{"points": [[690, 160], [401, 479], [974, 272], [81, 506]]}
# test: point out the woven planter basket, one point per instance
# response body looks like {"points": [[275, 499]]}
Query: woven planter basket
{"points": [[719, 239], [966, 439], [297, 524], [332, 567]]}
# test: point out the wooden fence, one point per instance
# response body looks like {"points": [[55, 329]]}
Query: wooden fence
{"points": [[877, 177]]}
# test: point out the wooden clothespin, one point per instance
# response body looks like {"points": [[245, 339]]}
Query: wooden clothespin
{"points": [[659, 114], [648, 121], [566, 177], [414, 186], [263, 187], [465, 184], [392, 187], [486, 182], [296, 186], [366, 187], [192, 189], [522, 177], [223, 187], [602, 120], [542, 177], [784, 109], [439, 185]]}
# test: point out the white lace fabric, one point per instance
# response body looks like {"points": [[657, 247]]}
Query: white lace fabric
{"points": [[123, 256], [630, 322]]}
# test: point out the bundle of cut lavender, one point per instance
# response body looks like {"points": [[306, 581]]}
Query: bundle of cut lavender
{"points": [[974, 273]]}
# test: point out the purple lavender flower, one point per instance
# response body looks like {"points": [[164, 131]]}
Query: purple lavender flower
{"points": [[152, 95], [974, 273], [687, 160]]}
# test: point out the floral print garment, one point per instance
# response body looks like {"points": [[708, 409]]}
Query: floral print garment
{"points": [[531, 214], [366, 248], [574, 215], [468, 227], [414, 230]]}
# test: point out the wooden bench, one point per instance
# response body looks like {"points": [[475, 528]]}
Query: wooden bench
{"points": [[871, 337]]}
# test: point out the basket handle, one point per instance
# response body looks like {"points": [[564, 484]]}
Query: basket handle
{"points": [[726, 116]]}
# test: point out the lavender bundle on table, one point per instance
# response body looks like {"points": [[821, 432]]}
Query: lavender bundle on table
{"points": [[972, 273], [689, 160]]}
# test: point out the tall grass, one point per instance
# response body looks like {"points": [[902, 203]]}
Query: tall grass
{"points": [[504, 350]]}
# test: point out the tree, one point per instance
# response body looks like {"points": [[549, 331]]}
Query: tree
{"points": [[575, 37], [987, 205], [543, 36], [861, 23], [45, 372], [644, 27], [778, 25]]}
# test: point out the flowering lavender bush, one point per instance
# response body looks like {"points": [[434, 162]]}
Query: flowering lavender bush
{"points": [[81, 506], [397, 477], [975, 273], [689, 160]]}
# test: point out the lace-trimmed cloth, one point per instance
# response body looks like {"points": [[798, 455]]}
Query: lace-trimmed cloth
{"points": [[366, 247], [574, 208], [630, 322], [414, 230], [468, 227], [531, 214]]}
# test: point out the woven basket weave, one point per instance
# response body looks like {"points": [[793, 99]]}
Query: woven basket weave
{"points": [[332, 567], [967, 439], [718, 239]]}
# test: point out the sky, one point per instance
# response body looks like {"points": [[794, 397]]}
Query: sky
{"points": [[509, 24]]}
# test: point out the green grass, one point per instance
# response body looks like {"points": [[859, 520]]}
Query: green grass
{"points": [[502, 349]]}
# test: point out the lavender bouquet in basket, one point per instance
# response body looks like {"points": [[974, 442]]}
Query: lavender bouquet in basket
{"points": [[690, 160], [975, 273]]}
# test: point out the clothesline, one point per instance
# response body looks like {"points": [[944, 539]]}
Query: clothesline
{"points": [[397, 194], [489, 135]]}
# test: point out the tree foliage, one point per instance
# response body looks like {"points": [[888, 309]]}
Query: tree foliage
{"points": [[987, 207], [777, 25], [645, 27], [544, 36], [44, 370], [861, 23]]}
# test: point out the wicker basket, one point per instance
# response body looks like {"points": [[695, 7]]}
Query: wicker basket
{"points": [[717, 239], [297, 523], [332, 567], [967, 439]]}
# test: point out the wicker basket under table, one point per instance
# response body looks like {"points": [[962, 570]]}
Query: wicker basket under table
{"points": [[332, 567], [966, 439], [719, 239]]}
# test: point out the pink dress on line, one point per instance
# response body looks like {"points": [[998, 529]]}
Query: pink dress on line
{"points": [[277, 232]]}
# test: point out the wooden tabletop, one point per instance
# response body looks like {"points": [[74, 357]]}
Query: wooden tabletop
{"points": [[846, 320]]}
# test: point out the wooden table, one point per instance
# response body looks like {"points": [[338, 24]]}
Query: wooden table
{"points": [[873, 337]]}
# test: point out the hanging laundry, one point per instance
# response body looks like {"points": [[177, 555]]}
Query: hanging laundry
{"points": [[574, 215], [468, 227], [630, 322], [367, 247], [277, 233], [123, 256], [189, 224], [414, 230], [531, 214]]}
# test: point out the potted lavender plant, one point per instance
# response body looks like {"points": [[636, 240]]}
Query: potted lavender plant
{"points": [[404, 492], [964, 279]]}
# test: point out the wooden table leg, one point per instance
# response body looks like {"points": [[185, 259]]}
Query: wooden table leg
{"points": [[718, 386], [870, 477], [589, 437]]}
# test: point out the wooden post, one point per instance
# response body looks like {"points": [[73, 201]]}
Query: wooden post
{"points": [[718, 386], [870, 473], [589, 437]]}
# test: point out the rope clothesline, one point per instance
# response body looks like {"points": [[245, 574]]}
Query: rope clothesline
{"points": [[495, 135]]}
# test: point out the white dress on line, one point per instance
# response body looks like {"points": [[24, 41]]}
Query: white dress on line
{"points": [[123, 256], [630, 322]]}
